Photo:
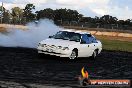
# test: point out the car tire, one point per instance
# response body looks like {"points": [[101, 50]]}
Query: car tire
{"points": [[94, 54], [73, 55]]}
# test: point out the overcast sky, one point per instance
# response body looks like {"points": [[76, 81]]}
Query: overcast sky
{"points": [[121, 9]]}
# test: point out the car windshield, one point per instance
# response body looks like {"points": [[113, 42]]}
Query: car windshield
{"points": [[71, 36]]}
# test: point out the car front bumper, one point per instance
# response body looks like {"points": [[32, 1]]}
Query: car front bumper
{"points": [[60, 53]]}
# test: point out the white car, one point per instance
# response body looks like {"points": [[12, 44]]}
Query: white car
{"points": [[72, 44]]}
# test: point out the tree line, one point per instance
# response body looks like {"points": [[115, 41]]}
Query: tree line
{"points": [[65, 17]]}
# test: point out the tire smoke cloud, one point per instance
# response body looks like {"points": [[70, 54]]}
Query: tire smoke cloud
{"points": [[30, 37]]}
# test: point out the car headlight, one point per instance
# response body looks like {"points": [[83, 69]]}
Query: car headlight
{"points": [[59, 47], [65, 48], [43, 45]]}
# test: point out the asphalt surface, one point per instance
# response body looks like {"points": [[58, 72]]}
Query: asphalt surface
{"points": [[23, 68]]}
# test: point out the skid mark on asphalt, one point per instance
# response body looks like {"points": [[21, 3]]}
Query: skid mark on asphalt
{"points": [[23, 65]]}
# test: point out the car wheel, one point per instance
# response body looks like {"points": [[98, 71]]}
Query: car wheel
{"points": [[94, 54], [73, 55]]}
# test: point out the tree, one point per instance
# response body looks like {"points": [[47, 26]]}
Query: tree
{"points": [[7, 17], [127, 22], [60, 15], [17, 14], [86, 19], [4, 15], [46, 13], [107, 19], [28, 12], [67, 15], [2, 10], [73, 15]]}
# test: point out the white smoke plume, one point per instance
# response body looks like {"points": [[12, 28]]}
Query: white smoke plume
{"points": [[28, 38]]}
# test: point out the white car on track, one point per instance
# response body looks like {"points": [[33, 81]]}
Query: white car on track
{"points": [[72, 44]]}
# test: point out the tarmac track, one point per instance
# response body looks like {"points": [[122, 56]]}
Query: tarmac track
{"points": [[22, 68]]}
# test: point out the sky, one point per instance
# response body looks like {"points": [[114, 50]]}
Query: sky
{"points": [[122, 9]]}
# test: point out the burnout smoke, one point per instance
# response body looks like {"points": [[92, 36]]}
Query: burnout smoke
{"points": [[28, 38]]}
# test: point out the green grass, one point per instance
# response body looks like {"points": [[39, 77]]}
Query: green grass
{"points": [[116, 45]]}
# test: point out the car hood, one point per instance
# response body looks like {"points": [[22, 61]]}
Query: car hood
{"points": [[58, 42]]}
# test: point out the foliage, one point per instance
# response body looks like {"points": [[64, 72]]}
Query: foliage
{"points": [[66, 17], [28, 14], [59, 15], [4, 15], [17, 14], [46, 13]]}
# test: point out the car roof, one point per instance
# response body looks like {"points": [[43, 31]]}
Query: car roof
{"points": [[76, 31]]}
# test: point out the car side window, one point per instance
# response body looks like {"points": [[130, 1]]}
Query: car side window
{"points": [[85, 39], [91, 38], [94, 40]]}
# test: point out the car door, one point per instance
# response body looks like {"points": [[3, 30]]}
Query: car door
{"points": [[86, 46], [92, 41]]}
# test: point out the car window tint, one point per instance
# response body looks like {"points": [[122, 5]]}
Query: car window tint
{"points": [[85, 38], [88, 38], [92, 39]]}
